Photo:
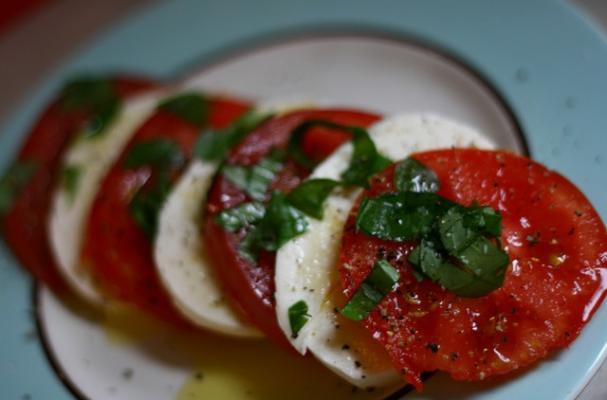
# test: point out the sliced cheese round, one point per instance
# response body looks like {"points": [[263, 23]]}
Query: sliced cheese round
{"points": [[179, 255], [306, 266], [90, 159], [181, 261]]}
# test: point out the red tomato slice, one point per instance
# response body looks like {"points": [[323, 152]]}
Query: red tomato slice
{"points": [[25, 224], [117, 250], [557, 245], [251, 286]]}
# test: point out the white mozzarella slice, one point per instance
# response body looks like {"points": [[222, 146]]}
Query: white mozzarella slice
{"points": [[181, 261], [179, 255], [306, 266], [69, 211]]}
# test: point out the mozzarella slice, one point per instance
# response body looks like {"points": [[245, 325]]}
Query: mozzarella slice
{"points": [[306, 266], [181, 262], [179, 255], [92, 157]]}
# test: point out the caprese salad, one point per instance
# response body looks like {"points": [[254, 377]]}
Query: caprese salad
{"points": [[384, 246]]}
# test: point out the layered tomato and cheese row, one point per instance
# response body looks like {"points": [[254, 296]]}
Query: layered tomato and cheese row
{"points": [[384, 246]]}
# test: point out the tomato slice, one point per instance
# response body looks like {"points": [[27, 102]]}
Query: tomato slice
{"points": [[25, 223], [251, 285], [116, 249], [557, 245]]}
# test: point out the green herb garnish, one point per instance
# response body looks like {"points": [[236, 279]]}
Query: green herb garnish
{"points": [[97, 96], [13, 181], [190, 107], [163, 156], [310, 196], [240, 216], [159, 152], [214, 145], [255, 180], [366, 160], [375, 287], [401, 216], [280, 223], [298, 317], [148, 201], [70, 176], [458, 246], [412, 176]]}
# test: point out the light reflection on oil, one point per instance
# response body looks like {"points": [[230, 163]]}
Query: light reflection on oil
{"points": [[225, 368]]}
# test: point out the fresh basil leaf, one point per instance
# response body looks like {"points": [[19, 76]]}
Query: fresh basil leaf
{"points": [[366, 160], [240, 216], [255, 180], [87, 92], [214, 145], [400, 216], [102, 117], [373, 289], [190, 107], [280, 223], [310, 196], [70, 176], [97, 96], [294, 146], [428, 260], [148, 201], [159, 152], [455, 236], [412, 176], [298, 317], [486, 261], [249, 247], [13, 181], [484, 219], [478, 265]]}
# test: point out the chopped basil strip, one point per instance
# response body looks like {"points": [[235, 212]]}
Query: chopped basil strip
{"points": [[487, 272], [240, 216], [85, 92], [97, 96], [255, 180], [294, 147], [298, 317], [310, 196], [366, 160], [412, 176], [374, 288], [70, 175], [163, 156], [214, 145], [458, 246], [486, 219], [401, 216], [280, 223], [147, 202], [190, 107], [13, 181], [159, 152]]}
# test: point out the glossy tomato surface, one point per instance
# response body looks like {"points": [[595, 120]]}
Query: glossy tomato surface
{"points": [[556, 279], [117, 249], [251, 284], [25, 222]]}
